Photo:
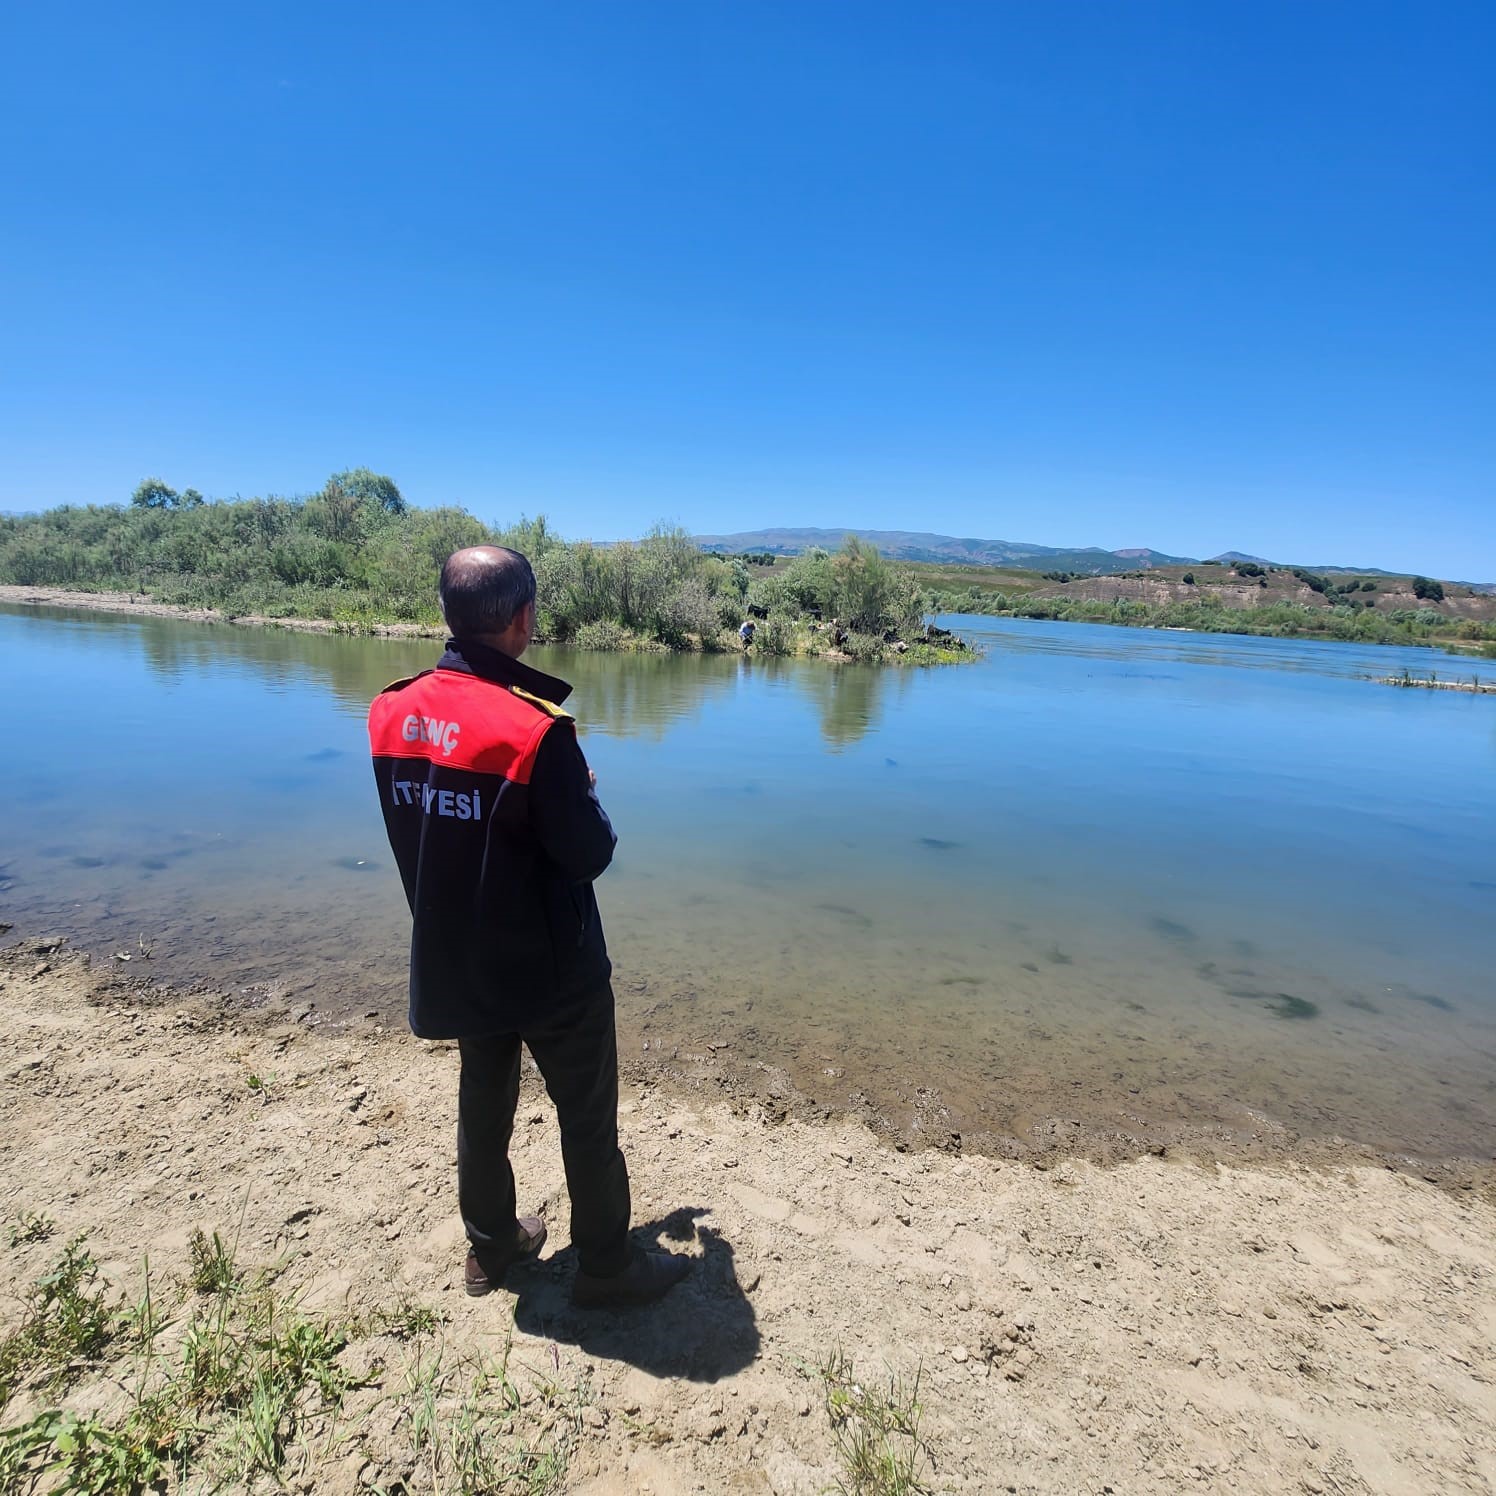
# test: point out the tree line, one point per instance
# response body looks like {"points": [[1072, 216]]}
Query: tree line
{"points": [[357, 554]]}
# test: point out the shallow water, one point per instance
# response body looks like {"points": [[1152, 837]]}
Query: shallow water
{"points": [[1135, 879]]}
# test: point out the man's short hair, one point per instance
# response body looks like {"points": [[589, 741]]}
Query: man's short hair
{"points": [[483, 589]]}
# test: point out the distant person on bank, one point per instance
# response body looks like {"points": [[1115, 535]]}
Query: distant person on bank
{"points": [[495, 823]]}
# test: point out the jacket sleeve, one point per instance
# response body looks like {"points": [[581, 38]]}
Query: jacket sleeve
{"points": [[568, 818]]}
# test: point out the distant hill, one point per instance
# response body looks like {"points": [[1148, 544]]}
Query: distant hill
{"points": [[920, 545], [1360, 571], [916, 545]]}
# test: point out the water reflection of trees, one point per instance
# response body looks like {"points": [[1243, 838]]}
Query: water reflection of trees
{"points": [[355, 670], [623, 695], [626, 694], [849, 698], [632, 695]]}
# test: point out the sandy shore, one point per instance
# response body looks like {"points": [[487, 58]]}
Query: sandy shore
{"points": [[1152, 1326], [141, 606]]}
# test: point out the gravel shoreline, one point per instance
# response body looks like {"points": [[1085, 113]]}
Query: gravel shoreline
{"points": [[1152, 1325]]}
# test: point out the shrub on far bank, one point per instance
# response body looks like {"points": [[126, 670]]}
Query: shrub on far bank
{"points": [[867, 649], [602, 633], [775, 636]]}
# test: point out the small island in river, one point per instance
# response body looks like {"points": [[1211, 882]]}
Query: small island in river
{"points": [[356, 558]]}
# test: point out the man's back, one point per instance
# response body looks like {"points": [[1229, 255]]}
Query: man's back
{"points": [[493, 819], [497, 835]]}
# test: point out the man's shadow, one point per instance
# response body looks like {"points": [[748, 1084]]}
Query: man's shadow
{"points": [[703, 1329]]}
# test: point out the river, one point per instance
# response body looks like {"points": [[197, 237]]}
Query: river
{"points": [[1103, 882]]}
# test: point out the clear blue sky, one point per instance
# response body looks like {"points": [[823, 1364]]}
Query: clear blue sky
{"points": [[1193, 275]]}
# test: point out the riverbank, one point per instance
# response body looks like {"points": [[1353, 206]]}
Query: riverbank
{"points": [[1313, 625], [807, 641], [1255, 600], [140, 605], [1150, 1326]]}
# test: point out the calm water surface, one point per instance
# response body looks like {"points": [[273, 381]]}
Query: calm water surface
{"points": [[1105, 878]]}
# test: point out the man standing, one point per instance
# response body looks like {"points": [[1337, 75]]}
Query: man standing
{"points": [[494, 820]]}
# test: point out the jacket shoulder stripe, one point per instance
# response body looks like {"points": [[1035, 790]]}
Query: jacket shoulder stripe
{"points": [[548, 707], [405, 680]]}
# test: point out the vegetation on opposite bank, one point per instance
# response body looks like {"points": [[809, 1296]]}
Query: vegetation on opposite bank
{"points": [[1242, 598], [358, 556]]}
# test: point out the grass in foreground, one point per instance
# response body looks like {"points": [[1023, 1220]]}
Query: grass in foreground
{"points": [[876, 1429], [220, 1379], [224, 1381]]}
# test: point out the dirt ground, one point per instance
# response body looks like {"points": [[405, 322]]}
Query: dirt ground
{"points": [[1151, 1326]]}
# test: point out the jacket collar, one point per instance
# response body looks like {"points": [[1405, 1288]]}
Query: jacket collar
{"points": [[473, 658]]}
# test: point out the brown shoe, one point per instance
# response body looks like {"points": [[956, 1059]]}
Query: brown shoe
{"points": [[649, 1276], [529, 1239]]}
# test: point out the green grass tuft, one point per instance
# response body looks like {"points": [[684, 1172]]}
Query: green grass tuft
{"points": [[876, 1429], [66, 1326], [251, 1389], [213, 1268], [31, 1226]]}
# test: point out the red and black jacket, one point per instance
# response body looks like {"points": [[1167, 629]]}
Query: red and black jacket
{"points": [[498, 836]]}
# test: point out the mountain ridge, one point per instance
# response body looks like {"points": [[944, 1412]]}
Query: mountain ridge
{"points": [[925, 545]]}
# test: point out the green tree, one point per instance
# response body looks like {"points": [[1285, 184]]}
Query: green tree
{"points": [[337, 514], [808, 582], [1428, 590], [871, 596], [373, 488], [154, 493]]}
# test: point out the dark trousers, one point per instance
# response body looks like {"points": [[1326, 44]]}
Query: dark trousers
{"points": [[577, 1052]]}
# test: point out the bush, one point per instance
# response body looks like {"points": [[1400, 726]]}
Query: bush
{"points": [[1428, 590], [867, 649], [808, 583], [775, 636], [600, 633], [730, 610], [766, 594], [870, 595], [688, 613]]}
